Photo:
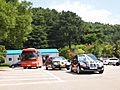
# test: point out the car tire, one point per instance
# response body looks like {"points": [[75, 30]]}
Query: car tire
{"points": [[67, 67], [24, 67], [46, 68], [113, 64], [40, 66], [117, 64], [109, 63], [12, 66], [100, 72], [78, 70], [53, 67], [59, 68], [71, 69]]}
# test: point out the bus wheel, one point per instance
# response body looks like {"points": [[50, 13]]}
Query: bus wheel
{"points": [[24, 67], [29, 67], [40, 66]]}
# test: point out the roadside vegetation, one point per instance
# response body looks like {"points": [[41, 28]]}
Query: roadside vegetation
{"points": [[22, 26]]}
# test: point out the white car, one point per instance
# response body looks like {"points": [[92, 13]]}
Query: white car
{"points": [[62, 61], [110, 61], [113, 61], [57, 62]]}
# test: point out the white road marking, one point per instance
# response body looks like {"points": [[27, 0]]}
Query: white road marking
{"points": [[19, 76], [54, 76], [22, 79], [28, 83], [46, 78]]}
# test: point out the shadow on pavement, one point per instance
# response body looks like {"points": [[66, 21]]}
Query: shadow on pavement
{"points": [[82, 73]]}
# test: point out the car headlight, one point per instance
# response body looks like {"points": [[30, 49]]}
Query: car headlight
{"points": [[56, 63], [100, 64], [68, 63]]}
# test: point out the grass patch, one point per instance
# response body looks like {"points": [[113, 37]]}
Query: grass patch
{"points": [[4, 65]]}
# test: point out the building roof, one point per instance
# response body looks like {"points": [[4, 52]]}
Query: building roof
{"points": [[42, 51], [12, 52], [48, 50]]}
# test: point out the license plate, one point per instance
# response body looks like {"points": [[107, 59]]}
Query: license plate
{"points": [[28, 65], [55, 63], [93, 66]]}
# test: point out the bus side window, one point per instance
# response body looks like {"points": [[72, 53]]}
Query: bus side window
{"points": [[10, 59]]}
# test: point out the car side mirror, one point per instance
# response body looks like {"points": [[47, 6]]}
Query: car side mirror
{"points": [[68, 60]]}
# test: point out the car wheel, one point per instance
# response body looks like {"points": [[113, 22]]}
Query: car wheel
{"points": [[78, 69], [53, 67], [59, 68], [113, 64], [24, 67], [29, 67], [71, 69], [40, 66], [100, 72], [117, 64], [46, 68], [12, 66], [67, 67]]}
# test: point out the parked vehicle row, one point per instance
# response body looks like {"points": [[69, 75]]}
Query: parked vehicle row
{"points": [[79, 63]]}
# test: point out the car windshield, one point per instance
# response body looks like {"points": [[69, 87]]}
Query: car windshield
{"points": [[59, 58], [113, 59], [28, 55], [92, 57], [81, 58]]}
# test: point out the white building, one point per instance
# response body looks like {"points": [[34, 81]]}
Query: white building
{"points": [[13, 55]]}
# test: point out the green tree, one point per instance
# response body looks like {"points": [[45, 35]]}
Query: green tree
{"points": [[7, 18], [65, 31], [2, 54], [18, 25], [37, 38]]}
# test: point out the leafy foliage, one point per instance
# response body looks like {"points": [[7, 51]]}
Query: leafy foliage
{"points": [[15, 23], [2, 54], [21, 26]]}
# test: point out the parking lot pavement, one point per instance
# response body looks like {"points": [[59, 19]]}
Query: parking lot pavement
{"points": [[41, 79], [19, 76]]}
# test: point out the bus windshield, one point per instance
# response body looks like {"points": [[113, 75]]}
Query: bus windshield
{"points": [[28, 55]]}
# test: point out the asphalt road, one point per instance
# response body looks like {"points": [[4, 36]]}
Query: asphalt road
{"points": [[41, 79]]}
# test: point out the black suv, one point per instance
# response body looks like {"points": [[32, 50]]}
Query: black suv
{"points": [[86, 62]]}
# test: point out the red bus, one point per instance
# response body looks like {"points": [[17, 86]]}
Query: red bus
{"points": [[30, 57]]}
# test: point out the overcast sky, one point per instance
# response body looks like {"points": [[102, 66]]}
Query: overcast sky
{"points": [[104, 11]]}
